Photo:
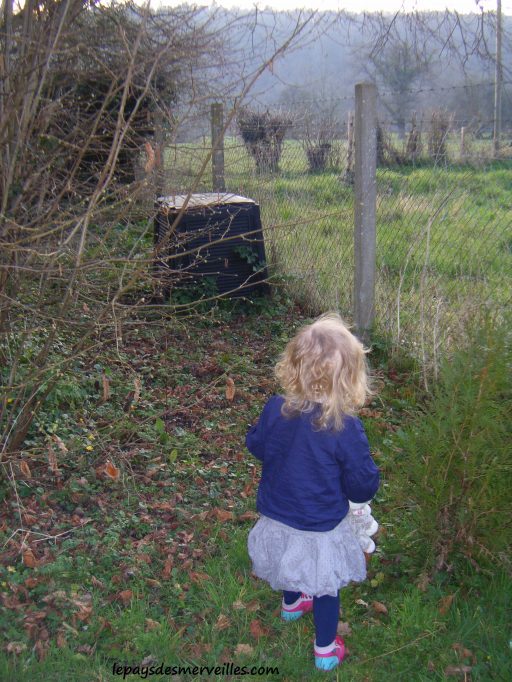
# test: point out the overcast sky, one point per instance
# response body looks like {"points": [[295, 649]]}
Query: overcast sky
{"points": [[463, 6]]}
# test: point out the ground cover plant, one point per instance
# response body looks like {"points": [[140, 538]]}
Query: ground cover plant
{"points": [[124, 521]]}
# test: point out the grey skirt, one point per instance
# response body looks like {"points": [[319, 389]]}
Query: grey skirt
{"points": [[316, 563]]}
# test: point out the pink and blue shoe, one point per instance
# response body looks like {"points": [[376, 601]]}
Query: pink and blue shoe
{"points": [[304, 604], [327, 658]]}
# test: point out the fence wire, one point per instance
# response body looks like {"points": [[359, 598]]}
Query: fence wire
{"points": [[444, 219]]}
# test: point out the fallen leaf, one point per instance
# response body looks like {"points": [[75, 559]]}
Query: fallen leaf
{"points": [[60, 444], [248, 516], [61, 640], [457, 670], [168, 566], [222, 623], [125, 596], [379, 607], [84, 609], [344, 629], [112, 471], [52, 461], [361, 602], [222, 515], [423, 582], [445, 603], [238, 605], [230, 388], [150, 157], [155, 584], [15, 647], [25, 469], [257, 629], [152, 624], [86, 649], [148, 660], [198, 577], [41, 649], [29, 559], [463, 652], [244, 650], [97, 583], [29, 519]]}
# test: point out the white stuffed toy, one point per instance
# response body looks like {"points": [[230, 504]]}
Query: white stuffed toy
{"points": [[363, 525]]}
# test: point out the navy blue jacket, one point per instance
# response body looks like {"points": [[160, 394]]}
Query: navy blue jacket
{"points": [[309, 475]]}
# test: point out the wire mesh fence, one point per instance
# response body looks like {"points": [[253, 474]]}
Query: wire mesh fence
{"points": [[443, 215]]}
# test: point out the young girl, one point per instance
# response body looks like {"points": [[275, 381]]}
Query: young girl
{"points": [[316, 458]]}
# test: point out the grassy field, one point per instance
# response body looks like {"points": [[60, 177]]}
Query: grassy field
{"points": [[444, 237], [134, 552]]}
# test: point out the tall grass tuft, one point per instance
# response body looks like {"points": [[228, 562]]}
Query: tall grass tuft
{"points": [[456, 456]]}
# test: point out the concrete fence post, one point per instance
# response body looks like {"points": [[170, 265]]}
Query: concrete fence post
{"points": [[217, 120], [365, 198]]}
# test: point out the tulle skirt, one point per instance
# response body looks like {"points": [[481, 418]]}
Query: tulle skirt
{"points": [[316, 563]]}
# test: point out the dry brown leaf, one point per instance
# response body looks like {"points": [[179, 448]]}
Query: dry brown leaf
{"points": [[457, 670], [112, 471], [230, 388], [106, 387], [152, 624], [29, 519], [344, 629], [125, 596], [463, 652], [248, 516], [25, 469], [257, 629], [52, 461], [97, 583], [222, 622], [361, 602], [168, 566], [244, 650], [60, 444], [222, 515], [150, 157], [84, 609], [445, 603], [15, 647], [423, 582], [198, 577], [379, 607], [60, 640], [29, 559]]}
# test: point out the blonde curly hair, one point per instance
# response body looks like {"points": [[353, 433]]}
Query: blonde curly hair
{"points": [[324, 364]]}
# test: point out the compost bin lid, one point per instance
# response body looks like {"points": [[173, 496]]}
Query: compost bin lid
{"points": [[176, 201]]}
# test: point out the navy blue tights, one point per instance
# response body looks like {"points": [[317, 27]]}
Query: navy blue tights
{"points": [[325, 613]]}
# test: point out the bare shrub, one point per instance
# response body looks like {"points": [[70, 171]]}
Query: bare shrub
{"points": [[263, 135], [440, 121]]}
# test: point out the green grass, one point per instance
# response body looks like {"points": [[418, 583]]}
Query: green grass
{"points": [[444, 237], [153, 566]]}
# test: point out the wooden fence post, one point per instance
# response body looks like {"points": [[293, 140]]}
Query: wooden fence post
{"points": [[365, 198], [217, 118]]}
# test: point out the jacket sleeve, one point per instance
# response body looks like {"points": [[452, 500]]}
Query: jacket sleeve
{"points": [[360, 475], [255, 438]]}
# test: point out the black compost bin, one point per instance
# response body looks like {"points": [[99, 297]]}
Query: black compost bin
{"points": [[215, 243]]}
